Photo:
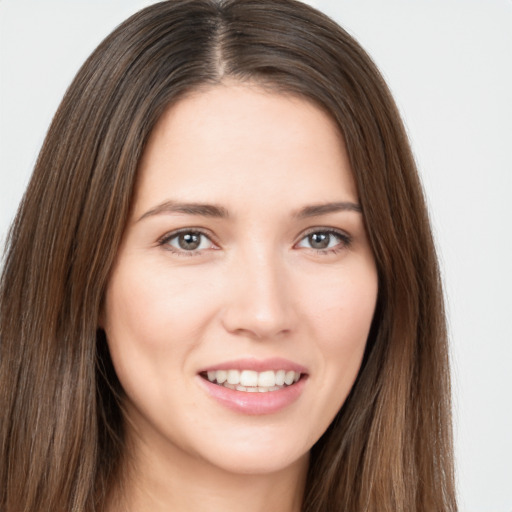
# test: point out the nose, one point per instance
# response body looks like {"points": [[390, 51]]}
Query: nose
{"points": [[259, 302]]}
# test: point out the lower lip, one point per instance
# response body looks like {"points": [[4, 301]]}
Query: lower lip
{"points": [[256, 403]]}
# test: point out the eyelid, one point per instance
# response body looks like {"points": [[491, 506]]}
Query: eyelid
{"points": [[164, 241], [343, 235]]}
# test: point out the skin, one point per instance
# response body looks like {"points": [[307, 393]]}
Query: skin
{"points": [[255, 287]]}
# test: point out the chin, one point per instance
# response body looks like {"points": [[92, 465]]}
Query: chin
{"points": [[258, 457]]}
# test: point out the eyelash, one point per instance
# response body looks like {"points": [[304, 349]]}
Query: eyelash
{"points": [[164, 241], [344, 241]]}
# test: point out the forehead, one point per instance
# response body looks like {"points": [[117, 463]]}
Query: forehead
{"points": [[234, 141]]}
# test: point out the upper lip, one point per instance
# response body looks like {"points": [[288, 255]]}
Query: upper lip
{"points": [[257, 365]]}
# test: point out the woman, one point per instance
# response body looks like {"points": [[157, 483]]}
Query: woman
{"points": [[226, 197]]}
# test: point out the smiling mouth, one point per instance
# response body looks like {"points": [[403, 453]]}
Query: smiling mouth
{"points": [[251, 381]]}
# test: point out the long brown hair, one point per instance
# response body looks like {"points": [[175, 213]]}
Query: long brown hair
{"points": [[61, 435]]}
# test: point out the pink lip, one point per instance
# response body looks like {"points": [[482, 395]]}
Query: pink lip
{"points": [[257, 365], [254, 403]]}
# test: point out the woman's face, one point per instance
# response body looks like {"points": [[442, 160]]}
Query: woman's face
{"points": [[245, 263]]}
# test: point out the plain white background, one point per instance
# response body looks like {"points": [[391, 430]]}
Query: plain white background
{"points": [[449, 65]]}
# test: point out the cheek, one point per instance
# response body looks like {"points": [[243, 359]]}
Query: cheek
{"points": [[152, 307], [152, 322], [340, 322], [342, 313]]}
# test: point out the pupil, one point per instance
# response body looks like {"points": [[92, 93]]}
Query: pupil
{"points": [[189, 241], [319, 240]]}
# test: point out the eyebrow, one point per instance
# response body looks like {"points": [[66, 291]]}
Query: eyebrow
{"points": [[316, 210], [204, 210], [215, 211]]}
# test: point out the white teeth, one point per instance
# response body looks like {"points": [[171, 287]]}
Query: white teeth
{"points": [[222, 376], [233, 377], [249, 378], [251, 381], [272, 388], [289, 377], [267, 379], [280, 377]]}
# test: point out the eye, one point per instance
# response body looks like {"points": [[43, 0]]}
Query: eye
{"points": [[325, 240], [187, 241]]}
